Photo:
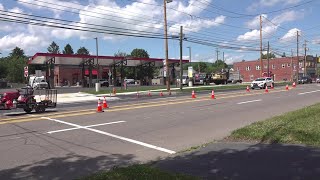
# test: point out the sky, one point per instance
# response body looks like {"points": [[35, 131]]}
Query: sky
{"points": [[210, 27]]}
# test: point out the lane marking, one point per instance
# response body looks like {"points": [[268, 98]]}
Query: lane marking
{"points": [[245, 102], [308, 92], [95, 125], [129, 105], [113, 135], [92, 111]]}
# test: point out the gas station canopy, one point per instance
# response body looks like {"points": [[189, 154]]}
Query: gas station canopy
{"points": [[76, 60]]}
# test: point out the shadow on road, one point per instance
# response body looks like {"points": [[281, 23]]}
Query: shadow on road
{"points": [[70, 167], [245, 161]]}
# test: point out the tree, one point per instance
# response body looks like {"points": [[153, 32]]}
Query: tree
{"points": [[3, 67], [17, 52], [284, 54], [15, 69], [53, 48], [271, 55], [142, 71], [139, 53], [68, 49], [203, 66], [83, 51]]}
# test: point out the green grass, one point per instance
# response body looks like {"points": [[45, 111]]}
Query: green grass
{"points": [[297, 127], [137, 172]]}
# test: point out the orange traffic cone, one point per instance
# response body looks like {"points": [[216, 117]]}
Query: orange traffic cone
{"points": [[271, 86], [149, 93], [193, 95], [212, 94], [266, 89], [161, 93], [114, 91], [287, 87], [105, 104], [294, 84], [99, 108], [248, 89]]}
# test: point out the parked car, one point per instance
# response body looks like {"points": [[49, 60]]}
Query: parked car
{"points": [[104, 82], [200, 79], [318, 80], [262, 83], [304, 80], [185, 80]]}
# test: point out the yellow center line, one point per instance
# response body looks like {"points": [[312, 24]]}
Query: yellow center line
{"points": [[133, 107]]}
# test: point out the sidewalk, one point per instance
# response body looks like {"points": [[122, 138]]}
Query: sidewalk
{"points": [[230, 160]]}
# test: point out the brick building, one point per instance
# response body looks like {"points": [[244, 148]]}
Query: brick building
{"points": [[280, 69]]}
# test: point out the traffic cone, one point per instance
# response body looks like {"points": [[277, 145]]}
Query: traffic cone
{"points": [[193, 95], [271, 86], [149, 93], [105, 104], [248, 89], [161, 93], [99, 108], [266, 89], [294, 84], [212, 94], [287, 87], [114, 91]]}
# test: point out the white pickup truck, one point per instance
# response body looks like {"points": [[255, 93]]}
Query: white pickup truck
{"points": [[38, 82]]}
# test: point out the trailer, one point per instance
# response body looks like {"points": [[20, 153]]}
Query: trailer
{"points": [[28, 103]]}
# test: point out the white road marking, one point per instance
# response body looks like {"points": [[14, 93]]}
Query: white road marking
{"points": [[245, 102], [308, 92], [95, 125], [114, 136]]}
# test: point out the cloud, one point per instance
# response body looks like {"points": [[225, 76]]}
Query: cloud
{"points": [[27, 42], [230, 59], [255, 34], [255, 22], [316, 40], [287, 17], [271, 3], [290, 35]]}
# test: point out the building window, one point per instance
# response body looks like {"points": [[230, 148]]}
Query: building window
{"points": [[283, 65], [273, 66], [289, 65], [248, 68], [251, 77], [300, 64], [265, 66], [257, 67], [238, 69]]}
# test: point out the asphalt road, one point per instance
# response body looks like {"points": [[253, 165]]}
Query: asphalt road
{"points": [[76, 141]]}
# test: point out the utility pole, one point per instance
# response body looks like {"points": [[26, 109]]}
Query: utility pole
{"points": [[166, 42], [298, 61], [98, 68], [181, 69], [217, 52], [261, 45], [189, 55], [305, 58], [268, 58], [291, 65], [223, 56]]}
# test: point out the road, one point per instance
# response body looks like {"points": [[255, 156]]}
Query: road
{"points": [[76, 141]]}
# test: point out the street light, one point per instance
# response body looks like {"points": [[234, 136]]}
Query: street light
{"points": [[166, 42], [98, 73], [189, 54]]}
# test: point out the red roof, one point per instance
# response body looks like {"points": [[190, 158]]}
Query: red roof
{"points": [[74, 59]]}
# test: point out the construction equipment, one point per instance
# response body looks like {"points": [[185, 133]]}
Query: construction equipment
{"points": [[24, 98]]}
